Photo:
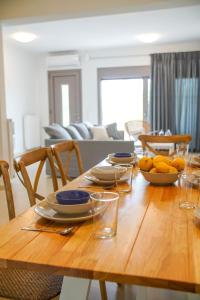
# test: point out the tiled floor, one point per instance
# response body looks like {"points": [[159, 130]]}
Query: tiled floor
{"points": [[115, 292]]}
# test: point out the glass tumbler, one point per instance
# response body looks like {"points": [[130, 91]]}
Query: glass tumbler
{"points": [[190, 186], [124, 184], [105, 214]]}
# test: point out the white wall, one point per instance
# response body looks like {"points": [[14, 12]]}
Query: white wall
{"points": [[26, 88], [4, 148]]}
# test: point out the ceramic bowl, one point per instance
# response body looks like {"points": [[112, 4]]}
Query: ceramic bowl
{"points": [[108, 172], [72, 197], [121, 159], [68, 209], [160, 178]]}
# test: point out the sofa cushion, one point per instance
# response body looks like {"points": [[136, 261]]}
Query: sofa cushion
{"points": [[74, 133], [83, 130], [112, 131], [58, 132], [100, 133]]}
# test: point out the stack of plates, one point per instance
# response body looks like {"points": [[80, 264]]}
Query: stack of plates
{"points": [[195, 161], [50, 209], [121, 158], [107, 175]]}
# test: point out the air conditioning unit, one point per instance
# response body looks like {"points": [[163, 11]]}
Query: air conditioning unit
{"points": [[69, 60]]}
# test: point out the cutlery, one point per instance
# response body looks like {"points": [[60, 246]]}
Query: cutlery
{"points": [[61, 232], [104, 187]]}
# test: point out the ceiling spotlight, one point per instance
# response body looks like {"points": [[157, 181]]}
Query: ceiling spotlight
{"points": [[148, 37], [24, 37]]}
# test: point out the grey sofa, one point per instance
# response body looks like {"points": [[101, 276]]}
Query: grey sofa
{"points": [[92, 151]]}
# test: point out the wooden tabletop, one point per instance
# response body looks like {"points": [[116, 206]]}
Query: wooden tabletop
{"points": [[157, 244]]}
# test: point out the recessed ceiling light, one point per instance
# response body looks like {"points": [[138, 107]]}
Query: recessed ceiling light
{"points": [[148, 37], [24, 37]]}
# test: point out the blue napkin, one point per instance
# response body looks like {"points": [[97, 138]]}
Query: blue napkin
{"points": [[122, 154], [72, 197]]}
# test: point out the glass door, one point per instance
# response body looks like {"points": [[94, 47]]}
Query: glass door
{"points": [[123, 100], [65, 97]]}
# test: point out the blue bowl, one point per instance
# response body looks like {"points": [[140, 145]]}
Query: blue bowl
{"points": [[122, 154], [72, 197]]}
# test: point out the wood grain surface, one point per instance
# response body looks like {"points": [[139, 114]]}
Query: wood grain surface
{"points": [[157, 244]]}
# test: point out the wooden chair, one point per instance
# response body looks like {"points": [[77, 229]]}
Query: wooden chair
{"points": [[136, 127], [29, 158], [24, 284], [8, 189], [148, 140], [68, 147]]}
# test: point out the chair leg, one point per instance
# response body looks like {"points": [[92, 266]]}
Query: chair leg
{"points": [[103, 291]]}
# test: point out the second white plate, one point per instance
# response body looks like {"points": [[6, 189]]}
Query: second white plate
{"points": [[104, 182]]}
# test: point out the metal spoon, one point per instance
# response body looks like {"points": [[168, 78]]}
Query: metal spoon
{"points": [[61, 232], [104, 187]]}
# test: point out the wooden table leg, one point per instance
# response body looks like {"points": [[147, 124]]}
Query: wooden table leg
{"points": [[75, 288], [103, 291]]}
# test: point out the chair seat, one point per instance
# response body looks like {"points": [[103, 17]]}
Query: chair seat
{"points": [[28, 285]]}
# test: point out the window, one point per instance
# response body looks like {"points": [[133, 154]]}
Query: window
{"points": [[123, 95]]}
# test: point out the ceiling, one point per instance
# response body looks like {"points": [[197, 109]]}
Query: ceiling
{"points": [[84, 34]]}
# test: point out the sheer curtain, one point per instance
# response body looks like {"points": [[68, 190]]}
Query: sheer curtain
{"points": [[175, 94]]}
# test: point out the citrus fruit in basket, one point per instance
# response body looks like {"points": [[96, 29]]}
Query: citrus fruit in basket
{"points": [[161, 158], [161, 170], [162, 167], [178, 163], [145, 163]]}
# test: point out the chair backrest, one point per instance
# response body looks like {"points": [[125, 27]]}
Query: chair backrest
{"points": [[148, 140], [8, 189], [29, 158], [68, 147], [136, 127]]}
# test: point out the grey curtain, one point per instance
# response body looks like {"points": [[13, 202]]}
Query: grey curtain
{"points": [[175, 94]]}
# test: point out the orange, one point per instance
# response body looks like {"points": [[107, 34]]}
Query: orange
{"points": [[145, 163], [178, 163]]}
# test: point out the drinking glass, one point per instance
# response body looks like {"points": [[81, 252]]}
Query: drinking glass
{"points": [[190, 186], [126, 186], [105, 211]]}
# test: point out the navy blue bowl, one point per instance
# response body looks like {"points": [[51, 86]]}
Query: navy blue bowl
{"points": [[122, 154], [72, 197]]}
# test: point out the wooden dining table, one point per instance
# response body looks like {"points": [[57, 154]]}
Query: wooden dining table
{"points": [[157, 244]]}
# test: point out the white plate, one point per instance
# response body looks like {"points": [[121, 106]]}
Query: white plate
{"points": [[195, 163], [122, 160], [104, 182], [43, 210], [67, 209], [196, 179], [109, 160]]}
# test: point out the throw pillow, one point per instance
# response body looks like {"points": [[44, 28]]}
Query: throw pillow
{"points": [[55, 131], [100, 133], [74, 133], [89, 126], [112, 131], [83, 130]]}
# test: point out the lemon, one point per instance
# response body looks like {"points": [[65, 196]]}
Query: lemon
{"points": [[172, 170], [162, 167], [161, 158], [153, 170]]}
